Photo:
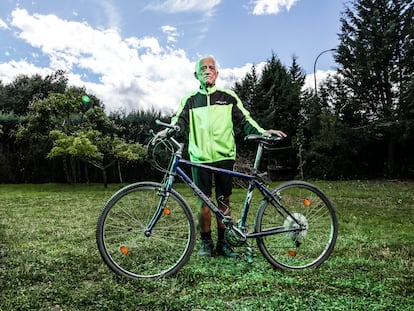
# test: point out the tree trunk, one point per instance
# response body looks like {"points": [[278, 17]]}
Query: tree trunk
{"points": [[105, 177], [391, 162], [73, 169], [86, 173], [119, 172], [67, 173]]}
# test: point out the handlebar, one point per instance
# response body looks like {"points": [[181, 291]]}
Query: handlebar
{"points": [[173, 127], [266, 141]]}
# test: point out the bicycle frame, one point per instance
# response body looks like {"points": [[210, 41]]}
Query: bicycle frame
{"points": [[175, 169], [147, 229]]}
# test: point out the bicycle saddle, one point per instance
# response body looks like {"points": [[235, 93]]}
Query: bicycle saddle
{"points": [[267, 141]]}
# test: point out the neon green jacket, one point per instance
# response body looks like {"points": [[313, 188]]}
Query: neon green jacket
{"points": [[211, 116]]}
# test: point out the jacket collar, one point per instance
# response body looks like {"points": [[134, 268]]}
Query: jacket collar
{"points": [[208, 90]]}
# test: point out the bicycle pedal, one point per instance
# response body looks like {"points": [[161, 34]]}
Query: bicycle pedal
{"points": [[249, 254]]}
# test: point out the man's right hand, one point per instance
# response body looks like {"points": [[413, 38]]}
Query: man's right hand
{"points": [[160, 135]]}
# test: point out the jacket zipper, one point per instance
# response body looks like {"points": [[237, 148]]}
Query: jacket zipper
{"points": [[212, 157]]}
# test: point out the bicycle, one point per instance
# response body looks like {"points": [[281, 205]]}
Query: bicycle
{"points": [[146, 230]]}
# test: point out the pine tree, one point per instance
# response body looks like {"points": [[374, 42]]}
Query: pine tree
{"points": [[376, 57]]}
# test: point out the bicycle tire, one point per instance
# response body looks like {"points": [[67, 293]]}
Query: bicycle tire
{"points": [[307, 248], [121, 238]]}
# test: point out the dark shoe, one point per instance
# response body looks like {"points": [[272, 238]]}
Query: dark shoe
{"points": [[206, 248], [224, 249]]}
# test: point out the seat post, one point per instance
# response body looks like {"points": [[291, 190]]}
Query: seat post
{"points": [[259, 154]]}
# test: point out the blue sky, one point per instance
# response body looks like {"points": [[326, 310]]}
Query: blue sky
{"points": [[140, 54]]}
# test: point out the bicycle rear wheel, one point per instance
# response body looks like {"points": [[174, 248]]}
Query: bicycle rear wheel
{"points": [[316, 233], [122, 239]]}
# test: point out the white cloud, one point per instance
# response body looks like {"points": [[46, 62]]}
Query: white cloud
{"points": [[149, 43], [229, 76], [168, 28], [175, 6], [320, 75], [171, 33], [9, 71], [3, 24], [132, 73], [114, 18], [267, 7]]}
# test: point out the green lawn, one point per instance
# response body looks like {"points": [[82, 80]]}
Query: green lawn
{"points": [[49, 259]]}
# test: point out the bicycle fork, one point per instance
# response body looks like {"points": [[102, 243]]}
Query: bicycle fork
{"points": [[159, 211], [164, 193]]}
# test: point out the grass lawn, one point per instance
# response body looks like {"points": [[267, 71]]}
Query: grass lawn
{"points": [[49, 259]]}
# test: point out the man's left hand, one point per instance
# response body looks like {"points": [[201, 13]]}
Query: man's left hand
{"points": [[268, 133]]}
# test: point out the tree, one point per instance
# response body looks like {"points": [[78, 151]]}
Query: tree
{"points": [[73, 147], [376, 53], [278, 99], [273, 98], [69, 129], [247, 90], [137, 124], [93, 147], [9, 152], [17, 96]]}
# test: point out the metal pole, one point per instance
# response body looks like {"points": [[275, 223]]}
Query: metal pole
{"points": [[314, 68]]}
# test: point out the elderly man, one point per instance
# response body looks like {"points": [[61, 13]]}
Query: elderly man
{"points": [[211, 114]]}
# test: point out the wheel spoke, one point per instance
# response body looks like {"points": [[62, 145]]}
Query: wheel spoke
{"points": [[121, 237], [305, 248]]}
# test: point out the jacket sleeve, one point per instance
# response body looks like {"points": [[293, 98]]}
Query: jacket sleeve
{"points": [[243, 118], [181, 117]]}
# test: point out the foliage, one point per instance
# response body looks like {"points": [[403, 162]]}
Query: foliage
{"points": [[374, 45], [368, 95], [77, 145], [360, 123], [49, 259], [278, 102], [247, 90], [274, 100], [77, 133], [136, 125], [17, 96], [330, 156]]}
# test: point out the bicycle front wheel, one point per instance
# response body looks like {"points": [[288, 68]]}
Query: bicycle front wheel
{"points": [[125, 243], [307, 236]]}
